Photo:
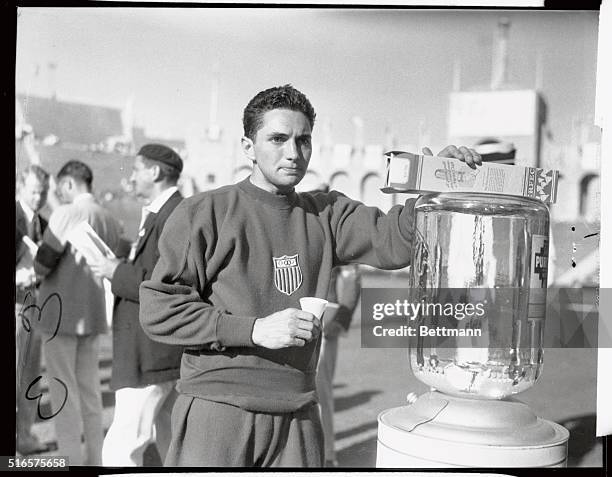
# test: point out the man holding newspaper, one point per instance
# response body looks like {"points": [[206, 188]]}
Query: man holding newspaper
{"points": [[144, 371], [73, 311]]}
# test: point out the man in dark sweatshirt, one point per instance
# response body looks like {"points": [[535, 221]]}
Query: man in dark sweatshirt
{"points": [[233, 264]]}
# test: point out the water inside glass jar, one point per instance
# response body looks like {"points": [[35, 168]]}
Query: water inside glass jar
{"points": [[480, 250]]}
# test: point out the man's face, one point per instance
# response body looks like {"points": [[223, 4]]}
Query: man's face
{"points": [[34, 193], [65, 190], [142, 178], [281, 150]]}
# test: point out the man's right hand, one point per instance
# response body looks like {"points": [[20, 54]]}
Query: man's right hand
{"points": [[289, 327]]}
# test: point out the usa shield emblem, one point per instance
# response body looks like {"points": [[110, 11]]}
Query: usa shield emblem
{"points": [[287, 273]]}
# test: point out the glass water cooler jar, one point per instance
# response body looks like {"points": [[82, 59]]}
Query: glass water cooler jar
{"points": [[488, 251]]}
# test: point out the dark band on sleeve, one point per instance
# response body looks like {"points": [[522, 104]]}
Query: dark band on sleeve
{"points": [[344, 316], [47, 256]]}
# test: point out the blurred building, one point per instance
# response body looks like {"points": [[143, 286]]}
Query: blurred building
{"points": [[517, 115], [210, 155], [510, 112], [52, 131]]}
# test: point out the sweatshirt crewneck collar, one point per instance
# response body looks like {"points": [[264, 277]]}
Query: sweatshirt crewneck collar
{"points": [[279, 201]]}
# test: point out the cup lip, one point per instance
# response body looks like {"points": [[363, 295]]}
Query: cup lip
{"points": [[321, 300]]}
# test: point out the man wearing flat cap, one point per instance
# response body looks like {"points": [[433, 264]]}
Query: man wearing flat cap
{"points": [[144, 372]]}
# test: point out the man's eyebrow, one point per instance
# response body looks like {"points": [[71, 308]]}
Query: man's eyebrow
{"points": [[277, 133], [285, 135]]}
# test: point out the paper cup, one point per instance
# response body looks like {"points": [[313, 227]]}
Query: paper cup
{"points": [[313, 305]]}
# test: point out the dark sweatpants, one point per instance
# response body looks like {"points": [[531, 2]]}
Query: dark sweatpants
{"points": [[207, 433]]}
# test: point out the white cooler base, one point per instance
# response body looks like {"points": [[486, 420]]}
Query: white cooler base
{"points": [[399, 448], [387, 458]]}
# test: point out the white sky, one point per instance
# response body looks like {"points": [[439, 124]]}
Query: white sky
{"points": [[390, 67]]}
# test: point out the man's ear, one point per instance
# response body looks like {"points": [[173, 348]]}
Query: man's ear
{"points": [[248, 147], [156, 171]]}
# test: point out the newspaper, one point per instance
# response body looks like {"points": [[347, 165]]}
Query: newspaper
{"points": [[88, 243], [32, 247]]}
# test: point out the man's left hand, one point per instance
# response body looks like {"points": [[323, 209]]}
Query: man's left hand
{"points": [[465, 154], [105, 267]]}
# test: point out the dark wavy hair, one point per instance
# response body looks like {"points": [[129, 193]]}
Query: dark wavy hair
{"points": [[279, 97], [79, 171]]}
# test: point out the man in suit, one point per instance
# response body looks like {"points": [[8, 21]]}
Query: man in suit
{"points": [[144, 372], [73, 315], [33, 186]]}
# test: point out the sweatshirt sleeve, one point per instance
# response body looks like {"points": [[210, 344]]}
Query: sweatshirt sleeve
{"points": [[172, 310], [367, 235]]}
